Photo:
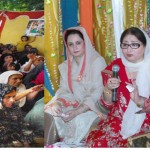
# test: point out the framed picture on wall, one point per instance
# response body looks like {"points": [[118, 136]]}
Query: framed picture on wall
{"points": [[35, 27]]}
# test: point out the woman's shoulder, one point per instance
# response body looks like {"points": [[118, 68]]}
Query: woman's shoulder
{"points": [[63, 66], [99, 62], [97, 59]]}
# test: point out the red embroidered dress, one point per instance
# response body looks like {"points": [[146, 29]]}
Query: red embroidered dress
{"points": [[108, 132]]}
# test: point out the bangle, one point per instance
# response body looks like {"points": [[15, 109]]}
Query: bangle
{"points": [[109, 106], [106, 91]]}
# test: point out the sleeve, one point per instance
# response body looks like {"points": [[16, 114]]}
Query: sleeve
{"points": [[64, 91], [23, 66], [22, 101]]}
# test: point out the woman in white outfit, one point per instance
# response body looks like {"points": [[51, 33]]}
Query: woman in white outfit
{"points": [[74, 106]]}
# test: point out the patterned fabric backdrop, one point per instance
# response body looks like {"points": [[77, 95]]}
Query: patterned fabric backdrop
{"points": [[102, 22]]}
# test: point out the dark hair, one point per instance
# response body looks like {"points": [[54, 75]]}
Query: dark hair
{"points": [[5, 65], [25, 36], [33, 50], [5, 55], [5, 89], [136, 32], [27, 45], [9, 46], [72, 31]]}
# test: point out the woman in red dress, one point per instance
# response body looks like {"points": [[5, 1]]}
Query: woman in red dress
{"points": [[133, 92]]}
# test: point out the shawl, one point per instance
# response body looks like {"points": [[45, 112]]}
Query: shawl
{"points": [[132, 122], [89, 89], [76, 92], [5, 89]]}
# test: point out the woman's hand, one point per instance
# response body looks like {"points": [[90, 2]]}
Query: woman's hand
{"points": [[37, 88], [134, 95], [113, 83], [69, 115], [56, 109]]}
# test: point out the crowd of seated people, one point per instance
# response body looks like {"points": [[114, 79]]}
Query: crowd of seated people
{"points": [[24, 70]]}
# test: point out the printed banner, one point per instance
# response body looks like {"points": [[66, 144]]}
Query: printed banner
{"points": [[35, 27]]}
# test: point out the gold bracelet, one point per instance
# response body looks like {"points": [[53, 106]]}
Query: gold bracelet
{"points": [[107, 91]]}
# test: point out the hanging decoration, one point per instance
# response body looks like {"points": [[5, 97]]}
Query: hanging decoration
{"points": [[87, 22], [69, 15], [100, 25], [47, 81], [103, 31], [99, 6], [117, 6], [52, 40], [148, 12], [60, 36], [135, 14], [148, 18]]}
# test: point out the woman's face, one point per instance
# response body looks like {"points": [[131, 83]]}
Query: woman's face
{"points": [[9, 99], [11, 67], [31, 55], [133, 55], [15, 80], [8, 59], [76, 45]]}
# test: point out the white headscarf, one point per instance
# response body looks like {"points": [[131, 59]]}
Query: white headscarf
{"points": [[132, 122], [90, 54], [143, 69], [4, 79]]}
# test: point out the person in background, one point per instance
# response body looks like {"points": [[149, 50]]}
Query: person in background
{"points": [[32, 55], [14, 78], [12, 48], [24, 41], [74, 107], [10, 66], [133, 86], [13, 130], [39, 80], [7, 59], [33, 73], [22, 56]]}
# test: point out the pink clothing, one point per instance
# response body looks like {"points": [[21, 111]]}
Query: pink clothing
{"points": [[39, 79]]}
